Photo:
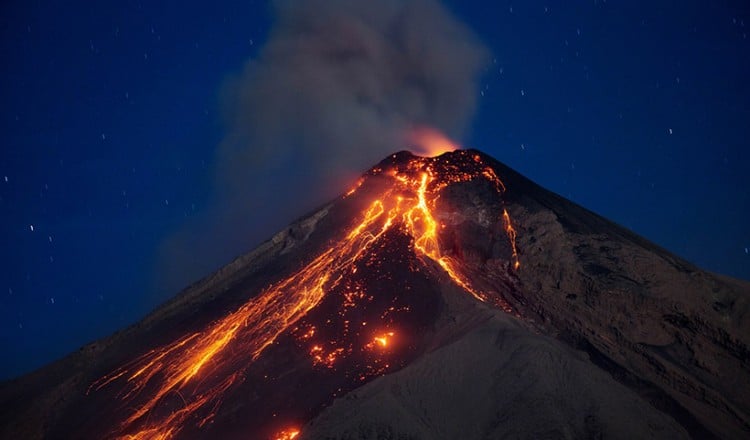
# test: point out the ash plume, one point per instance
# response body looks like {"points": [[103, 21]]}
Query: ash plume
{"points": [[338, 85]]}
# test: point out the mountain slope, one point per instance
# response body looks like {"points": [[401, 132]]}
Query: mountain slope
{"points": [[675, 333], [447, 276], [521, 385]]}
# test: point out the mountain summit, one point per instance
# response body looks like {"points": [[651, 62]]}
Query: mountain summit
{"points": [[440, 298]]}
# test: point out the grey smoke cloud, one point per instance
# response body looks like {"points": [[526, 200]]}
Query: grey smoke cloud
{"points": [[337, 87]]}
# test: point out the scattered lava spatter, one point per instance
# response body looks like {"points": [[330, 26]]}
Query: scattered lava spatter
{"points": [[201, 366]]}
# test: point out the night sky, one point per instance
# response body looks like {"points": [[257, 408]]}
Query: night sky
{"points": [[111, 118]]}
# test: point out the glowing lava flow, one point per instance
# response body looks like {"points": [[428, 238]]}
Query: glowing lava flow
{"points": [[200, 367], [287, 434]]}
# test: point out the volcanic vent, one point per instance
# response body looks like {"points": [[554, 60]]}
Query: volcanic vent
{"points": [[418, 271]]}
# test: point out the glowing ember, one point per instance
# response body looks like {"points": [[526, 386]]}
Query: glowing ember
{"points": [[200, 367], [287, 434], [382, 340]]}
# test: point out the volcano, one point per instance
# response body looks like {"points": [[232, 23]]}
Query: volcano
{"points": [[440, 298]]}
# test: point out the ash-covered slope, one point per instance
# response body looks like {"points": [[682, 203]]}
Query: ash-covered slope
{"points": [[454, 296], [500, 380]]}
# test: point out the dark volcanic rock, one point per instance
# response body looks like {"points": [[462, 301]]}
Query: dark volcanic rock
{"points": [[675, 334], [598, 334]]}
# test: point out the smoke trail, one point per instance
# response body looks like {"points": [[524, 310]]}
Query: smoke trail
{"points": [[335, 89]]}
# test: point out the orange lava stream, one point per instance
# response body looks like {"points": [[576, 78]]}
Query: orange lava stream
{"points": [[511, 231], [200, 367]]}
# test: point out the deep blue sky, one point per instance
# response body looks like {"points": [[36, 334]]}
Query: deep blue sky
{"points": [[111, 118]]}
